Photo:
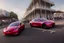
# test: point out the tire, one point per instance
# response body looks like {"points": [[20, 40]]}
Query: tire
{"points": [[53, 25], [23, 28], [31, 25], [19, 31], [44, 26]]}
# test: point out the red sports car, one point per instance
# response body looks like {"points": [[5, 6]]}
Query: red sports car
{"points": [[42, 22], [14, 28]]}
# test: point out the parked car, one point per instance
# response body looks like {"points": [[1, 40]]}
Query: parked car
{"points": [[14, 28], [42, 22]]}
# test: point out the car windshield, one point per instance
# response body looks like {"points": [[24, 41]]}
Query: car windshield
{"points": [[14, 24], [40, 20]]}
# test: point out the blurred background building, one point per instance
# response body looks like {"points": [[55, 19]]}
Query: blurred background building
{"points": [[59, 15], [7, 17], [40, 9]]}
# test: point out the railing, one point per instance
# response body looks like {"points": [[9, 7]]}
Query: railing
{"points": [[49, 1], [30, 10], [39, 7]]}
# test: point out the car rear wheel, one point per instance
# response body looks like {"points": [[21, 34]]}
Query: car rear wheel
{"points": [[19, 32], [23, 28], [31, 25], [44, 26], [53, 25]]}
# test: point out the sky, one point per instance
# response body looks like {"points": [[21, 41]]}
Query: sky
{"points": [[59, 5], [20, 6]]}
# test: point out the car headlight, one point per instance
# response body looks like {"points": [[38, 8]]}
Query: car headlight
{"points": [[16, 28], [4, 30]]}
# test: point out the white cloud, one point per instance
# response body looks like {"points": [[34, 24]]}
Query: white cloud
{"points": [[60, 8], [19, 11], [1, 4]]}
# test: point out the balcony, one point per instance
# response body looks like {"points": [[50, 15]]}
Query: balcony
{"points": [[48, 1], [28, 12], [39, 7]]}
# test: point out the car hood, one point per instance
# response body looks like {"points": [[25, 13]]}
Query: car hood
{"points": [[12, 28]]}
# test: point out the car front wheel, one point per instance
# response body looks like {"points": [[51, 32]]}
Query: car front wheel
{"points": [[31, 25], [53, 25], [44, 26]]}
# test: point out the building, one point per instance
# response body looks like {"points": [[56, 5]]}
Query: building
{"points": [[59, 15], [40, 9], [4, 16], [4, 13]]}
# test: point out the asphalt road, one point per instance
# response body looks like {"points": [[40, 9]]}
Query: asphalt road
{"points": [[36, 35]]}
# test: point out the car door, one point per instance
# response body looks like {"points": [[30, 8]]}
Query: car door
{"points": [[21, 25], [36, 23]]}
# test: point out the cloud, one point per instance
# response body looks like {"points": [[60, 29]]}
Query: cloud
{"points": [[1, 4], [61, 7], [19, 12], [9, 7]]}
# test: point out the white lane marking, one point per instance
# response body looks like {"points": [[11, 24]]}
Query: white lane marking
{"points": [[45, 30], [40, 29], [52, 32], [63, 27]]}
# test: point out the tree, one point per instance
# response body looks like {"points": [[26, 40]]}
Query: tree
{"points": [[13, 15]]}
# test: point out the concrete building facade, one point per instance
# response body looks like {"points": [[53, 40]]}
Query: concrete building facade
{"points": [[4, 13], [40, 9], [59, 15], [4, 16]]}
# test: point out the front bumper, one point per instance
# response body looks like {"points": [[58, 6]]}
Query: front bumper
{"points": [[11, 33], [50, 25]]}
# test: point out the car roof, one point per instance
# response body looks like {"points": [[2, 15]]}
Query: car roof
{"points": [[17, 22], [39, 18]]}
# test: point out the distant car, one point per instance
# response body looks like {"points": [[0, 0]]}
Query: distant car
{"points": [[14, 28], [42, 22]]}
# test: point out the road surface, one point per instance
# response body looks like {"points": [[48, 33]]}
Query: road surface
{"points": [[36, 35]]}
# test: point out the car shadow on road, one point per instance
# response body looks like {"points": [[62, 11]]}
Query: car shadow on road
{"points": [[55, 27], [59, 27], [30, 31], [33, 31]]}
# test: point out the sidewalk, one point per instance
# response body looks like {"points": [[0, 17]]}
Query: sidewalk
{"points": [[59, 22]]}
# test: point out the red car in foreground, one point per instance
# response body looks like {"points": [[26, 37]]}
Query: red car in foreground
{"points": [[14, 28], [42, 22]]}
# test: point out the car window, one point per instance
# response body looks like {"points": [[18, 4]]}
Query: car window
{"points": [[36, 20], [14, 24], [40, 20]]}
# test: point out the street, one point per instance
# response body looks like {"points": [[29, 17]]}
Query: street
{"points": [[31, 21], [36, 35]]}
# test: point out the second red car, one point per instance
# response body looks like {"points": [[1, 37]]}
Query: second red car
{"points": [[42, 22]]}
